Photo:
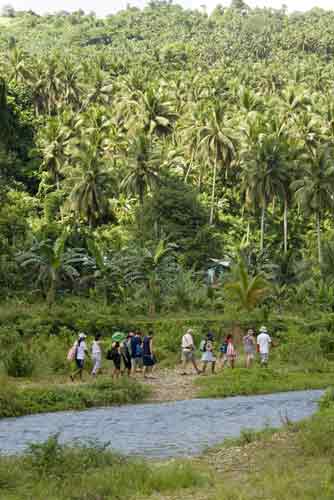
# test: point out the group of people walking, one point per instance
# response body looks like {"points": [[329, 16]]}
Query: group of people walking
{"points": [[227, 352], [131, 354], [134, 352]]}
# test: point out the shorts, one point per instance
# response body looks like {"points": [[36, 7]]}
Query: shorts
{"points": [[208, 357], [264, 357], [187, 355], [136, 363], [148, 360], [80, 363], [127, 362], [117, 362], [97, 362]]}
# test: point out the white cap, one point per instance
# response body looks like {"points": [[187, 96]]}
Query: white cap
{"points": [[82, 336], [263, 329]]}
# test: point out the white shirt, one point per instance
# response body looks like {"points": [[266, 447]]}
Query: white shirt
{"points": [[263, 340], [96, 349], [81, 350], [187, 341]]}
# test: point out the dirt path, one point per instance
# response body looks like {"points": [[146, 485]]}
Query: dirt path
{"points": [[170, 385]]}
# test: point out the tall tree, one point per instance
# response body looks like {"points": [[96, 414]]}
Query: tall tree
{"points": [[216, 140], [141, 173], [314, 190]]}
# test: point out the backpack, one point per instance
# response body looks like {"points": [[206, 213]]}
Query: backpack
{"points": [[139, 351], [202, 346], [72, 353], [110, 354], [223, 348]]}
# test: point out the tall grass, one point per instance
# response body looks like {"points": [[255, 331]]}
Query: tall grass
{"points": [[16, 401], [261, 381], [51, 471]]}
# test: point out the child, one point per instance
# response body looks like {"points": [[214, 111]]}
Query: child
{"points": [[223, 355], [114, 355], [230, 351], [249, 347], [208, 356], [80, 354], [96, 355]]}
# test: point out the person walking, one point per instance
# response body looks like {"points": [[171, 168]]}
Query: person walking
{"points": [[223, 355], [79, 357], [148, 356], [188, 352], [208, 356], [125, 349], [230, 351], [96, 354], [249, 347], [114, 355], [263, 343], [136, 352]]}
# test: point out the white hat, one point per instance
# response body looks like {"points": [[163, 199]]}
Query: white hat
{"points": [[263, 329], [82, 336]]}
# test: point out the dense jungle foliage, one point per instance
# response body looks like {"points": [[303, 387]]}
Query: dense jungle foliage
{"points": [[166, 159]]}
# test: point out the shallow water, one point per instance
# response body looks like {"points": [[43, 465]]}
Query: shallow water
{"points": [[181, 428]]}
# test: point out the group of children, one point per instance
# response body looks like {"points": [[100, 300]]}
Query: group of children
{"points": [[227, 351], [132, 354]]}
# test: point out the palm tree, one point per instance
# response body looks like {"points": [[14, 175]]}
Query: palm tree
{"points": [[218, 143], [17, 62], [141, 174], [101, 91], [249, 290], [155, 112], [50, 262], [91, 179], [314, 190], [52, 142], [265, 174]]}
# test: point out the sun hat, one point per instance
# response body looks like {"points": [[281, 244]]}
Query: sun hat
{"points": [[82, 336], [263, 329]]}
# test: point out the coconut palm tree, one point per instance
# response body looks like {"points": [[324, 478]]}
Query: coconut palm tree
{"points": [[314, 190], [141, 174], [216, 140], [90, 177], [52, 141], [250, 291], [264, 159]]}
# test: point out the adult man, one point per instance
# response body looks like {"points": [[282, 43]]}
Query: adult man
{"points": [[263, 342], [188, 352]]}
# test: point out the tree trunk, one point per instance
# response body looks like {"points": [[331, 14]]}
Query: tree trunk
{"points": [[248, 233], [213, 192], [319, 237], [51, 295], [285, 225], [263, 211]]}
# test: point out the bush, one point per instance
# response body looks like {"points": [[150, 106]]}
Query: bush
{"points": [[19, 362]]}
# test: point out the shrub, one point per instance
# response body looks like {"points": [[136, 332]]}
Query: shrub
{"points": [[19, 362]]}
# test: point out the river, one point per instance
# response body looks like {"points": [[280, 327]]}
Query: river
{"points": [[160, 430]]}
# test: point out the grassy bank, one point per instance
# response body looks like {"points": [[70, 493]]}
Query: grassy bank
{"points": [[262, 381], [17, 400], [53, 472]]}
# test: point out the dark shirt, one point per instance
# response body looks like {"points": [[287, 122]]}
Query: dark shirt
{"points": [[147, 346], [135, 344]]}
